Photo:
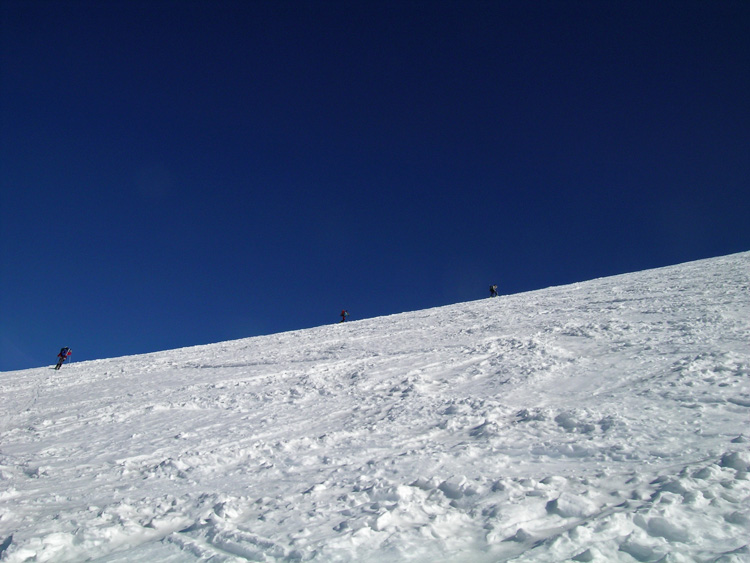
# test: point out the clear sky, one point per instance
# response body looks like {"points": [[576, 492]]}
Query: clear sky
{"points": [[179, 172]]}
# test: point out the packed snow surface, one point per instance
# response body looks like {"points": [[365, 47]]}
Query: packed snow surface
{"points": [[601, 421]]}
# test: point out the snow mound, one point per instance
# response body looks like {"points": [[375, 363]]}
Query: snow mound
{"points": [[601, 421]]}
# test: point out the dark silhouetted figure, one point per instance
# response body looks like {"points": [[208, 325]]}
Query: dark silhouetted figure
{"points": [[62, 356]]}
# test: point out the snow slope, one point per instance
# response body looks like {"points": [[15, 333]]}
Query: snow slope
{"points": [[601, 421]]}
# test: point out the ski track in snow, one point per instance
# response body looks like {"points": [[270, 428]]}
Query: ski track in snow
{"points": [[600, 421]]}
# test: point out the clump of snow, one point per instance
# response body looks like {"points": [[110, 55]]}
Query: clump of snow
{"points": [[600, 421]]}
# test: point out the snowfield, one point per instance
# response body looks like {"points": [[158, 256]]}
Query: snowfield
{"points": [[600, 421]]}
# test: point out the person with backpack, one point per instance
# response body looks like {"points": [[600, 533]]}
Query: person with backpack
{"points": [[493, 291], [344, 314], [63, 355]]}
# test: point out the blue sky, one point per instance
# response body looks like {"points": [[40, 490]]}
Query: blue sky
{"points": [[178, 173]]}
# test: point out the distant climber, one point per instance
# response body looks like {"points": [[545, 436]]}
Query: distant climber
{"points": [[344, 314], [62, 356], [493, 291]]}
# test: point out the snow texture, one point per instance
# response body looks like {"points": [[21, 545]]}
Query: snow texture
{"points": [[601, 421]]}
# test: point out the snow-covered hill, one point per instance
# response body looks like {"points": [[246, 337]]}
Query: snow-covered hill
{"points": [[601, 421]]}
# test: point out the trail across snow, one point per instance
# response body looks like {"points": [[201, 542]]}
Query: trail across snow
{"points": [[601, 421]]}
